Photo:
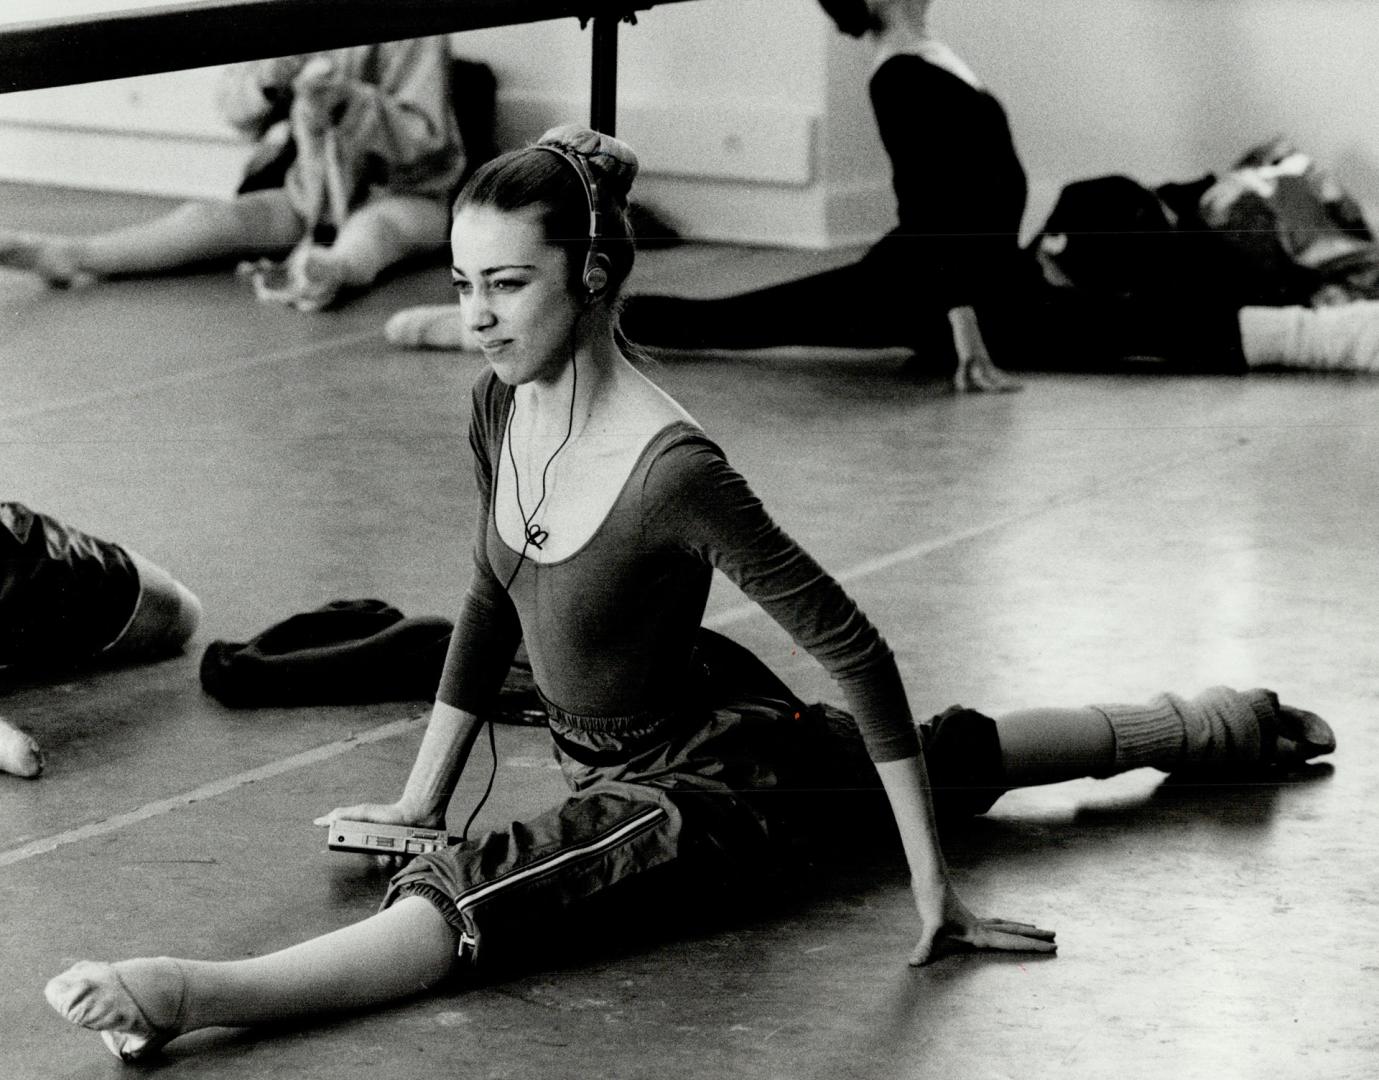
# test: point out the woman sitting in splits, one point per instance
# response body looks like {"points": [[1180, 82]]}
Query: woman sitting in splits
{"points": [[604, 510], [951, 282], [377, 158]]}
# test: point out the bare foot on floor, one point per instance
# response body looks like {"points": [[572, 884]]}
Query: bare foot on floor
{"points": [[319, 277], [55, 259]]}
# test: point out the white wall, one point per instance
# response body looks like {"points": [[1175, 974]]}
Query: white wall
{"points": [[722, 99], [752, 120], [1170, 89]]}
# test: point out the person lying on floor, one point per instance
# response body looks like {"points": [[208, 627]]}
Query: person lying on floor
{"points": [[69, 599], [604, 509], [377, 157], [950, 282]]}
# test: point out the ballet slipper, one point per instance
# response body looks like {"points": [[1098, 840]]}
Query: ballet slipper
{"points": [[1219, 733], [1302, 736], [1288, 738], [428, 326], [97, 996]]}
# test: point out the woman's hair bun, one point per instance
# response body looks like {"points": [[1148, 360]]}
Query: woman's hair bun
{"points": [[612, 161]]}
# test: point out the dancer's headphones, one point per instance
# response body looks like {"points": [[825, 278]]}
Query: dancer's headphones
{"points": [[595, 274]]}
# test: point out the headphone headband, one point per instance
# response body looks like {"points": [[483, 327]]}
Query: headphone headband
{"points": [[595, 274]]}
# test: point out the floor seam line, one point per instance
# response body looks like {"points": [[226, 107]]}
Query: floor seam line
{"points": [[741, 612], [181, 378], [210, 790], [736, 614]]}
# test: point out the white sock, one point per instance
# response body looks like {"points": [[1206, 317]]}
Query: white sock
{"points": [[428, 326], [19, 754], [1341, 337]]}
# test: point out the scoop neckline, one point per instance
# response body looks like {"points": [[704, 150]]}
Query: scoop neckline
{"points": [[522, 556]]}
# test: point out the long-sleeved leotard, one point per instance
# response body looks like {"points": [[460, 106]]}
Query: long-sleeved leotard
{"points": [[611, 629], [960, 193]]}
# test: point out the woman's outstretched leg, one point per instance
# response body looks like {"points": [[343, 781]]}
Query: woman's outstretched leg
{"points": [[138, 1005], [852, 306], [256, 224], [1047, 746], [1220, 729]]}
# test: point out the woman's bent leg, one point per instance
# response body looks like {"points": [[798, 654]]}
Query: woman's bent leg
{"points": [[402, 950], [385, 231]]}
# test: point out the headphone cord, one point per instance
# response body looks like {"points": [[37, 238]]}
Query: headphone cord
{"points": [[488, 788], [530, 537], [533, 534]]}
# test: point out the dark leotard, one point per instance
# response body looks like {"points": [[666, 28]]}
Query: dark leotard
{"points": [[960, 194], [611, 628]]}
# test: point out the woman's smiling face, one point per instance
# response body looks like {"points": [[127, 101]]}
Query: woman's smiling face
{"points": [[514, 293]]}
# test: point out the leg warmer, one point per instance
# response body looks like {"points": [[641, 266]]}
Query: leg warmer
{"points": [[1219, 727]]}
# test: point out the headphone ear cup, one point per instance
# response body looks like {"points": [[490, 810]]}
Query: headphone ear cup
{"points": [[596, 274]]}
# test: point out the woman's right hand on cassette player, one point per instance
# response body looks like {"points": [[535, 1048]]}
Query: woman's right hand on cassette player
{"points": [[397, 813]]}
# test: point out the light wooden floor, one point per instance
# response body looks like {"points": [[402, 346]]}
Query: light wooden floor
{"points": [[1091, 538]]}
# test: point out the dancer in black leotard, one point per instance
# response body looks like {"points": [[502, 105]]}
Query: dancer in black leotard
{"points": [[950, 281]]}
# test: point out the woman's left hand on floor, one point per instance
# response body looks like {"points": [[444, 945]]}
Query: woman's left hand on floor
{"points": [[946, 918], [976, 371]]}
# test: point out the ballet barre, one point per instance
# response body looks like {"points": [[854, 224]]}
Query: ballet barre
{"points": [[78, 48]]}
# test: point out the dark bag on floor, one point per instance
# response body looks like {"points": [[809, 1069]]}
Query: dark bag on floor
{"points": [[348, 652]]}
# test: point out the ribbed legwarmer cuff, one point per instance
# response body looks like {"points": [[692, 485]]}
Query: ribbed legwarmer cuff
{"points": [[1223, 726], [1149, 734], [1219, 726]]}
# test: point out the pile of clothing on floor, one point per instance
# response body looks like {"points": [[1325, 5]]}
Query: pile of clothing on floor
{"points": [[1276, 229]]}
